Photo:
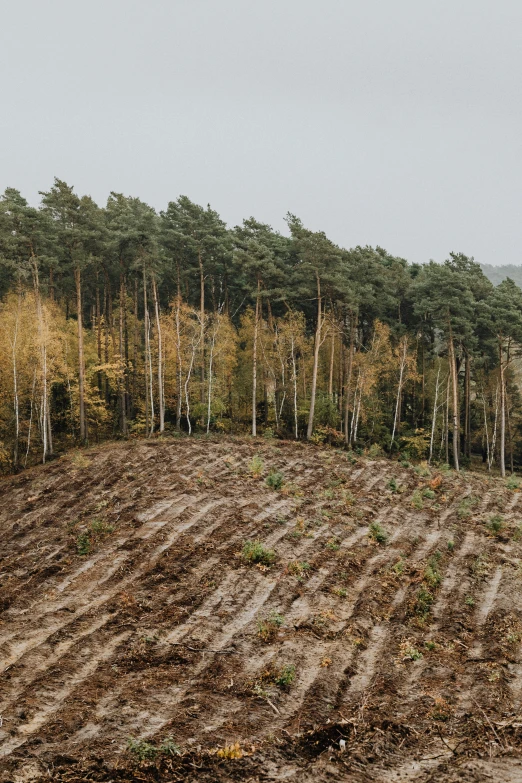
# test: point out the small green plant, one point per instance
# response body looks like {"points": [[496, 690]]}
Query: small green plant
{"points": [[398, 567], [99, 528], [269, 433], [267, 627], [378, 533], [429, 494], [256, 466], [375, 451], [348, 497], [430, 645], [392, 485], [451, 545], [404, 463], [469, 600], [480, 566], [422, 470], [424, 602], [496, 524], [274, 480], [333, 544], [513, 482], [144, 750], [169, 748], [298, 568], [416, 499], [411, 654], [256, 552], [431, 573], [465, 507], [342, 592], [83, 544], [285, 676]]}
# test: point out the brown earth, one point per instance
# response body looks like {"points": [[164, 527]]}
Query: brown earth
{"points": [[346, 659]]}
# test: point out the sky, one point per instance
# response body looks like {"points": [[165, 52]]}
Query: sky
{"points": [[385, 122]]}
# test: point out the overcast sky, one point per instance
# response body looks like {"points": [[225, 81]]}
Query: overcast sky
{"points": [[389, 122]]}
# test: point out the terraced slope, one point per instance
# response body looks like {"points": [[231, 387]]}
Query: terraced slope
{"points": [[382, 644]]}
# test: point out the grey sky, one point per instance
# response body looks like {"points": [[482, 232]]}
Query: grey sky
{"points": [[390, 122]]}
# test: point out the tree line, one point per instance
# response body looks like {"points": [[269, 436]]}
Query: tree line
{"points": [[119, 320]]}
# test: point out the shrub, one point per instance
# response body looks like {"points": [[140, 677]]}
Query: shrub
{"points": [[274, 480], [513, 482], [378, 533], [256, 552], [83, 544], [398, 567], [256, 466], [465, 507], [496, 524], [267, 627], [424, 601], [285, 676], [169, 748], [392, 485], [298, 568], [333, 544], [142, 749], [429, 494], [416, 499]]}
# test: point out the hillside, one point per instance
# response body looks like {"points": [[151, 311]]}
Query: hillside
{"points": [[380, 642]]}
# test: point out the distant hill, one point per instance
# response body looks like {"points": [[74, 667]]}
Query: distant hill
{"points": [[499, 273]]}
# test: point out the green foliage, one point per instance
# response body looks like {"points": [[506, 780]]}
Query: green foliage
{"points": [[466, 506], [392, 485], [378, 533], [83, 544], [267, 627], [285, 676], [142, 749], [256, 466], [496, 524], [256, 552], [416, 499], [274, 480], [513, 482], [424, 602], [416, 445]]}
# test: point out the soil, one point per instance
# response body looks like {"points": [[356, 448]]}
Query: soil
{"points": [[128, 612]]}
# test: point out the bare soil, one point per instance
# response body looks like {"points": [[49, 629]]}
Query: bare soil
{"points": [[127, 611]]}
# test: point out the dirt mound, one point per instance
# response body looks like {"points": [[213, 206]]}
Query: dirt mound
{"points": [[370, 630]]}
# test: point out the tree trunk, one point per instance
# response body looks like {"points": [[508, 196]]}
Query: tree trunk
{"points": [[502, 412], [254, 362], [317, 345], [81, 357], [121, 381], [202, 326], [332, 360], [348, 381], [146, 342], [160, 358], [455, 397], [98, 335]]}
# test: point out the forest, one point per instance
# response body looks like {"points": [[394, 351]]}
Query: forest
{"points": [[120, 321]]}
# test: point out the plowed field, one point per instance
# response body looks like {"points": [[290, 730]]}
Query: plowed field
{"points": [[379, 642]]}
